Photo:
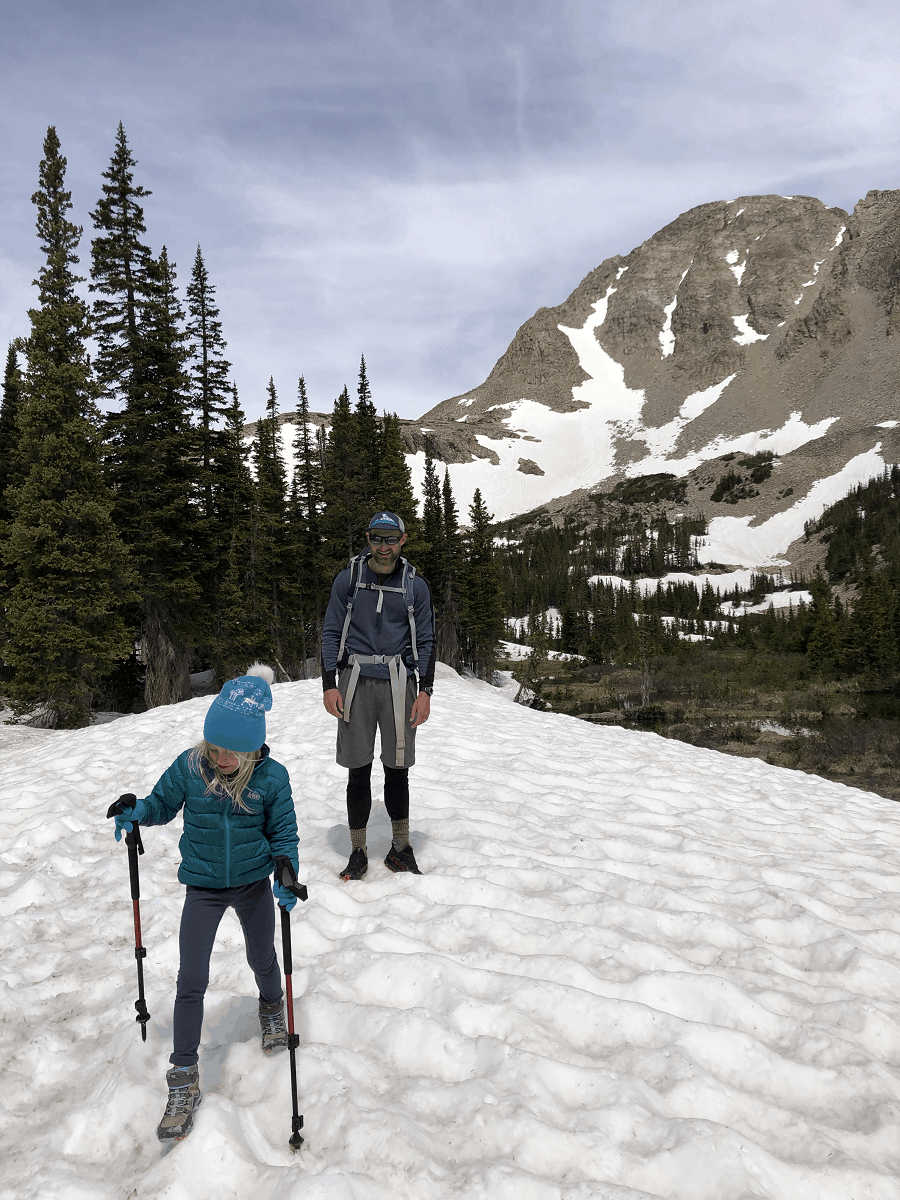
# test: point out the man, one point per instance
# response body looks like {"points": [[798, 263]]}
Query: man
{"points": [[377, 635]]}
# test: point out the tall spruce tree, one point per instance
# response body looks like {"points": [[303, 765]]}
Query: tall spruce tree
{"points": [[121, 267], [272, 560], [395, 490], [151, 450], [481, 600], [342, 525], [305, 517], [431, 555], [446, 586], [211, 391], [65, 628], [366, 451], [232, 643]]}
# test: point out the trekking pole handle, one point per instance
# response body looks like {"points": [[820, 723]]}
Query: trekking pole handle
{"points": [[287, 877], [118, 809]]}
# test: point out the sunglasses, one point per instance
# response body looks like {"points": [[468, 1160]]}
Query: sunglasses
{"points": [[389, 539]]}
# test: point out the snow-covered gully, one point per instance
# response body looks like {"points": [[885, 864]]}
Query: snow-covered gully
{"points": [[633, 969]]}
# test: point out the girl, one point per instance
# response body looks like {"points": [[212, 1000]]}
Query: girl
{"points": [[238, 816]]}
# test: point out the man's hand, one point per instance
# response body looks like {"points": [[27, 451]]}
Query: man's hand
{"points": [[333, 702], [421, 710]]}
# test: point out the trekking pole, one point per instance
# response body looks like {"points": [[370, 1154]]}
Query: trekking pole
{"points": [[287, 877], [135, 847]]}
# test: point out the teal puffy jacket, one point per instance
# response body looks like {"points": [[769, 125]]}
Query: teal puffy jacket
{"points": [[222, 847]]}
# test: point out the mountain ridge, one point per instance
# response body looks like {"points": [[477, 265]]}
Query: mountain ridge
{"points": [[760, 324]]}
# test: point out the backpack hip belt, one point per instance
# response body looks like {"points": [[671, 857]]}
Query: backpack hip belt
{"points": [[398, 676]]}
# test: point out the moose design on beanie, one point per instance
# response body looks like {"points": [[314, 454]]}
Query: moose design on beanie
{"points": [[236, 719]]}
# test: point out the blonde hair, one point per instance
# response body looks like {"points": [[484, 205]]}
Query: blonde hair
{"points": [[200, 762]]}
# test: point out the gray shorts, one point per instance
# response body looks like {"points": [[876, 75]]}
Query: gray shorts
{"points": [[373, 707]]}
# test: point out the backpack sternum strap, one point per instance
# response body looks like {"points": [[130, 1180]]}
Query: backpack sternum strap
{"points": [[406, 590]]}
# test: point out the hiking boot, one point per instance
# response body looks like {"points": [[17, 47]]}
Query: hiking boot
{"points": [[184, 1098], [272, 1026], [402, 860], [357, 866]]}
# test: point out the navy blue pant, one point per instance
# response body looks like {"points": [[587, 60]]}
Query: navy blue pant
{"points": [[200, 917]]}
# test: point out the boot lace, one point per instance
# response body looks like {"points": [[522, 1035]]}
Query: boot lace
{"points": [[273, 1024], [179, 1101]]}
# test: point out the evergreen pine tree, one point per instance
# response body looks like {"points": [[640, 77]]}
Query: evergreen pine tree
{"points": [[445, 588], [822, 647], [367, 441], [65, 629], [342, 526], [395, 490], [874, 642], [234, 498], [271, 554], [120, 274], [430, 556], [210, 390], [306, 519], [481, 602], [151, 463], [151, 446]]}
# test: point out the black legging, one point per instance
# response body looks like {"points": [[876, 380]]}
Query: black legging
{"points": [[200, 917], [359, 794]]}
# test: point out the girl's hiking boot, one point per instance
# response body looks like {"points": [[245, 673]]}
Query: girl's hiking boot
{"points": [[402, 860], [184, 1098], [272, 1026], [357, 866]]}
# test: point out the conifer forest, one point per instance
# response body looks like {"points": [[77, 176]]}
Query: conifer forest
{"points": [[143, 538]]}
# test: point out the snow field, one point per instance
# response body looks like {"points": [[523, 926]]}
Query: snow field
{"points": [[633, 969]]}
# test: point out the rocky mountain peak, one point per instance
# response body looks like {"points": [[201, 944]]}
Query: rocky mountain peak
{"points": [[760, 324]]}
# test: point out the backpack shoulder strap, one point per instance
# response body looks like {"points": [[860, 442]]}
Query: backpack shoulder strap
{"points": [[409, 576], [355, 565]]}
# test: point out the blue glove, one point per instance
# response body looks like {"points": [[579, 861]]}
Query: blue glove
{"points": [[285, 898], [127, 810], [286, 869]]}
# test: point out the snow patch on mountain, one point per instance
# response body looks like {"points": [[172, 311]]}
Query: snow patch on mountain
{"points": [[790, 599], [727, 581], [578, 449], [737, 269], [660, 441], [735, 540], [794, 433], [666, 336], [745, 336]]}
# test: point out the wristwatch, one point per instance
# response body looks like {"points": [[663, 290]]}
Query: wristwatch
{"points": [[429, 691]]}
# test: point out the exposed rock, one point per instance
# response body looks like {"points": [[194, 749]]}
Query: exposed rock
{"points": [[529, 467]]}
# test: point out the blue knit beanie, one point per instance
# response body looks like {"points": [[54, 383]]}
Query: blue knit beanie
{"points": [[236, 719]]}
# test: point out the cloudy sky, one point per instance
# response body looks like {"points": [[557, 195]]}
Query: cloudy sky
{"points": [[412, 180]]}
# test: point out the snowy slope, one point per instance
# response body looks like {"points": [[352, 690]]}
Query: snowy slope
{"points": [[633, 969], [578, 449]]}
